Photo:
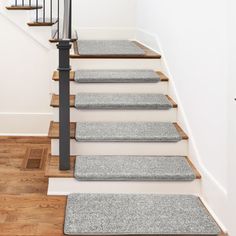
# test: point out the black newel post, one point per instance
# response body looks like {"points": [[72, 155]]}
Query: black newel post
{"points": [[64, 101]]}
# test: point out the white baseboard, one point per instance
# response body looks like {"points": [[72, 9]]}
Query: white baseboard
{"points": [[24, 124], [212, 191]]}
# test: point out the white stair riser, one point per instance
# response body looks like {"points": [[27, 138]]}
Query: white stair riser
{"points": [[161, 87], [65, 186], [154, 64], [118, 148], [119, 116]]}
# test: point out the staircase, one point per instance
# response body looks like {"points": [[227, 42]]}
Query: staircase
{"points": [[128, 172]]}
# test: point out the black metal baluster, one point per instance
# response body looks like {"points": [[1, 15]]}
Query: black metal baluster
{"points": [[30, 3], [23, 2], [37, 11], [51, 11], [16, 4], [70, 20], [58, 21], [44, 10], [64, 101]]}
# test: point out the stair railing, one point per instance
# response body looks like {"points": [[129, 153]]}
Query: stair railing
{"points": [[45, 10], [64, 88]]}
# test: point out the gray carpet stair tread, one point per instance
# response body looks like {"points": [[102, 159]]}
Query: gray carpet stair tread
{"points": [[122, 101], [137, 214], [133, 168], [126, 132], [116, 76], [109, 47]]}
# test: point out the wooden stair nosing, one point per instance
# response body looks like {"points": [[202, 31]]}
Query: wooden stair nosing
{"points": [[149, 54], [55, 101], [40, 23], [53, 132], [52, 168], [222, 231], [23, 7], [55, 77]]}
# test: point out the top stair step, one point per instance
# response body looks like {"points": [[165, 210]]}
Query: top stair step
{"points": [[112, 49]]}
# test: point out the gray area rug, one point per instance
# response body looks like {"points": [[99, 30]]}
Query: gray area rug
{"points": [[122, 101], [116, 76], [126, 132], [134, 168], [108, 47], [125, 214]]}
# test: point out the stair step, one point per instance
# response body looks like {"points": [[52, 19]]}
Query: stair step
{"points": [[121, 131], [43, 22], [25, 7], [52, 166], [112, 49], [114, 76], [133, 168], [118, 101], [137, 214], [122, 101], [126, 132]]}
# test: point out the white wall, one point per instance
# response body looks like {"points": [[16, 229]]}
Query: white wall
{"points": [[192, 37], [26, 70], [232, 117], [106, 18], [27, 60]]}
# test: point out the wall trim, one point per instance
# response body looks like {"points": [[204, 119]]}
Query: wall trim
{"points": [[213, 193]]}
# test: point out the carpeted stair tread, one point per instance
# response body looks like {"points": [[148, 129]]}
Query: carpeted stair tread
{"points": [[122, 101], [137, 214], [133, 168], [109, 47], [116, 76], [126, 132]]}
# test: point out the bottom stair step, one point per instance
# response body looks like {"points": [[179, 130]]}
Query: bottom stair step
{"points": [[137, 214], [133, 168]]}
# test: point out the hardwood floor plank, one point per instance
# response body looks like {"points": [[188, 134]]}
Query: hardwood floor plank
{"points": [[25, 209]]}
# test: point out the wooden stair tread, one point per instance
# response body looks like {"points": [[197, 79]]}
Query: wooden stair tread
{"points": [[54, 130], [41, 23], [181, 132], [52, 168], [55, 77], [55, 101], [149, 54], [23, 7]]}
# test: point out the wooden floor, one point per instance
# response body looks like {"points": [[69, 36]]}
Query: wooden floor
{"points": [[25, 209]]}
